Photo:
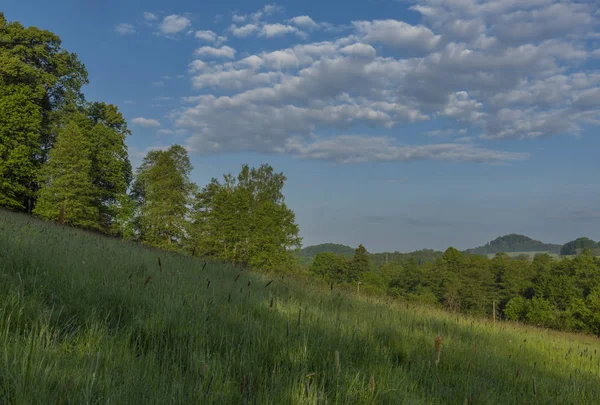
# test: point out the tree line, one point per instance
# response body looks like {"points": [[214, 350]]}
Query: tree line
{"points": [[65, 159], [560, 293]]}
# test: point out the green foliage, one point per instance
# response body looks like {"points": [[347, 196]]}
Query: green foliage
{"points": [[330, 266], [38, 80], [515, 243], [359, 264], [576, 246], [245, 220], [516, 309], [67, 194], [163, 192], [82, 322], [309, 253]]}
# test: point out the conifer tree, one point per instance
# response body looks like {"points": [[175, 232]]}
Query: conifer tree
{"points": [[359, 263], [67, 194]]}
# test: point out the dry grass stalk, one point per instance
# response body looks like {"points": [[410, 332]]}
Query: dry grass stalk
{"points": [[147, 281], [338, 367], [438, 349], [372, 384]]}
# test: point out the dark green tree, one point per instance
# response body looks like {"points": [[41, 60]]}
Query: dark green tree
{"points": [[359, 264], [330, 266]]}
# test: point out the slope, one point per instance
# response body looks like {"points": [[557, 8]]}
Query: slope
{"points": [[88, 319]]}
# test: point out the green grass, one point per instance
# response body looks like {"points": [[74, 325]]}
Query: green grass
{"points": [[80, 325]]}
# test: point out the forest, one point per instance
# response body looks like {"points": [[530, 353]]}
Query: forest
{"points": [[561, 293], [64, 158]]}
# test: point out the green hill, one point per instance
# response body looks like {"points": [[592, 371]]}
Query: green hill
{"points": [[307, 254], [89, 319], [576, 246], [515, 243]]}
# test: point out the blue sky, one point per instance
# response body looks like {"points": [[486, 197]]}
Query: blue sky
{"points": [[400, 125]]}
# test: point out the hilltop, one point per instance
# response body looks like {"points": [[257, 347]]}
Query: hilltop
{"points": [[89, 319], [307, 254], [515, 243]]}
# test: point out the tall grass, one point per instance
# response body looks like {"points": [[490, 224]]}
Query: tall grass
{"points": [[86, 319]]}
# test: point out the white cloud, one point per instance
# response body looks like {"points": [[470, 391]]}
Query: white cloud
{"points": [[124, 29], [363, 50], [173, 24], [166, 132], [197, 65], [148, 16], [206, 35], [244, 31], [211, 52], [146, 122], [398, 34], [276, 30], [461, 67], [239, 18], [304, 21]]}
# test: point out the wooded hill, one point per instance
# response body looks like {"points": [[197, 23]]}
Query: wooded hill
{"points": [[515, 243]]}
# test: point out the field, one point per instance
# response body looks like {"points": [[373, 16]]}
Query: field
{"points": [[530, 254], [86, 319]]}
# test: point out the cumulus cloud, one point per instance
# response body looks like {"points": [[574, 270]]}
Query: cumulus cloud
{"points": [[146, 122], [206, 35], [244, 31], [173, 24], [276, 30], [124, 29], [398, 34], [495, 70], [212, 52], [304, 21]]}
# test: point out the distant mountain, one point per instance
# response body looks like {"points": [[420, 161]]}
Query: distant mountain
{"points": [[576, 246], [308, 253], [515, 243]]}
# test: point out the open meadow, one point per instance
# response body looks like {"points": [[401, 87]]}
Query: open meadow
{"points": [[87, 319]]}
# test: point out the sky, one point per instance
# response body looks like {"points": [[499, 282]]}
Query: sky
{"points": [[400, 125]]}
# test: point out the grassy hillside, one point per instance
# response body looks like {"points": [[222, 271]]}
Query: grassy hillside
{"points": [[514, 243], [87, 319]]}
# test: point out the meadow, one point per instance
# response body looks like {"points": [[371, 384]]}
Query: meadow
{"points": [[87, 319]]}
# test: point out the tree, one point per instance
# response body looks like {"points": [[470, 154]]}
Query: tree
{"points": [[163, 191], [67, 193], [38, 80], [330, 266], [111, 170], [245, 220], [359, 264]]}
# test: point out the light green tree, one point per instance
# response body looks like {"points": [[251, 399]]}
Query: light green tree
{"points": [[67, 194], [38, 80], [245, 220], [163, 191]]}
